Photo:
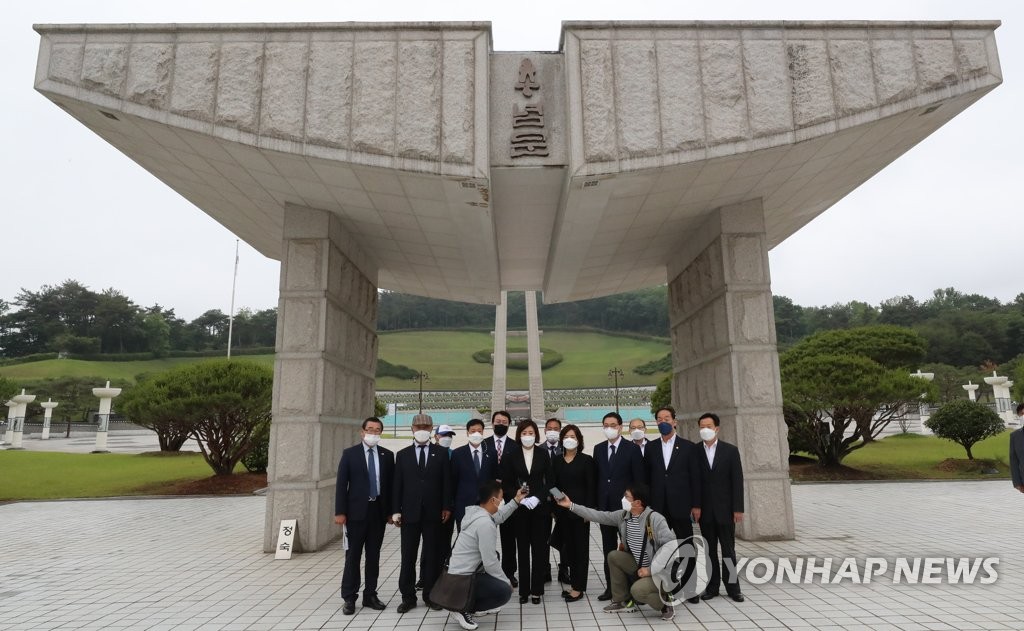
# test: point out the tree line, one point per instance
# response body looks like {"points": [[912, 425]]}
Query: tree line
{"points": [[72, 318], [960, 329]]}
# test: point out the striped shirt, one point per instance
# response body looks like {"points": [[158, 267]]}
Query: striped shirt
{"points": [[635, 534]]}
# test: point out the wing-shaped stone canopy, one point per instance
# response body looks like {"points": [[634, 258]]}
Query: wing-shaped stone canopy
{"points": [[408, 132]]}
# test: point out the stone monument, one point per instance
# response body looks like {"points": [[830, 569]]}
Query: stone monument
{"points": [[414, 157]]}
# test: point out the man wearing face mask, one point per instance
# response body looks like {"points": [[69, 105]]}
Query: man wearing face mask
{"points": [[501, 445], [472, 464], [721, 496], [643, 532], [422, 504], [361, 504], [444, 437], [674, 474], [552, 428], [619, 465], [638, 434]]}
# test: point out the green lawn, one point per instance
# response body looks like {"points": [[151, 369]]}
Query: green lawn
{"points": [[53, 475], [912, 456], [447, 356]]}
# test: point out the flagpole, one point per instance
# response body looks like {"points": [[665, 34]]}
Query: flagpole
{"points": [[231, 317]]}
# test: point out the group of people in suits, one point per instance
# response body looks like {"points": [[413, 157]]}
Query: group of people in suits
{"points": [[425, 489]]}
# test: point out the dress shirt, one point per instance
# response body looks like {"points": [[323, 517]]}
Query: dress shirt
{"points": [[709, 451]]}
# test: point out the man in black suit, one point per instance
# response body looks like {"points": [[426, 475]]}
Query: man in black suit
{"points": [[361, 504], [472, 465], [721, 492], [422, 504], [551, 444], [619, 465], [501, 444], [1017, 452], [674, 475]]}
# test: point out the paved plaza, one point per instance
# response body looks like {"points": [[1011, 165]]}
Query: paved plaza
{"points": [[196, 563]]}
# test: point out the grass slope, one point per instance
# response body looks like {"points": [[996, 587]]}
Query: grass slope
{"points": [[114, 371], [447, 356]]}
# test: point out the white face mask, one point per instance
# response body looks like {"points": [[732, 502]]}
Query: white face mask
{"points": [[637, 434], [476, 438], [371, 440], [570, 443], [626, 504], [611, 433], [446, 441], [421, 436], [552, 436], [706, 433], [528, 440]]}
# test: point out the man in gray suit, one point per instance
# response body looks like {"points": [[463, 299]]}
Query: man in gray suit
{"points": [[1017, 452]]}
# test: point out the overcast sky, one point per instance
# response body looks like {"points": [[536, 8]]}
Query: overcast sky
{"points": [[944, 215]]}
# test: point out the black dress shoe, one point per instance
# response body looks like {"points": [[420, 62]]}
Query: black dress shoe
{"points": [[515, 583], [605, 595], [407, 605], [565, 593], [535, 600], [349, 608], [694, 600], [708, 596], [737, 597], [523, 599], [569, 598], [374, 603]]}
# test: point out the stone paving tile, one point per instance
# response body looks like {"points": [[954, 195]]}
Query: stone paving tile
{"points": [[195, 563]]}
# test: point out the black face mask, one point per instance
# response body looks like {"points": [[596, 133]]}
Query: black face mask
{"points": [[500, 430]]}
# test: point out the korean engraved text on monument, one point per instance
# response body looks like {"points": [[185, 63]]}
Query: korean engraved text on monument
{"points": [[529, 138]]}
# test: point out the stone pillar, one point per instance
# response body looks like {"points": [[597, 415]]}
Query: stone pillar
{"points": [[499, 379], [106, 395], [48, 405], [972, 390], [323, 371], [19, 417], [536, 379], [12, 411], [1001, 393], [724, 357]]}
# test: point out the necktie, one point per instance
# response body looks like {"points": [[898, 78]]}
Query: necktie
{"points": [[371, 467], [497, 445], [423, 458], [611, 452], [476, 460]]}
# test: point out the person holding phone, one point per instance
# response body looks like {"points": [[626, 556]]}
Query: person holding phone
{"points": [[530, 467], [575, 475]]}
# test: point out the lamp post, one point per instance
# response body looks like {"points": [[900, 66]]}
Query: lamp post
{"points": [[421, 376], [615, 373]]}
